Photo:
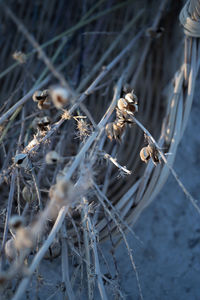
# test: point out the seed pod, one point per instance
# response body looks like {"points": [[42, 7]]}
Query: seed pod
{"points": [[37, 96], [28, 194], [10, 250], [154, 153], [145, 154], [24, 238], [52, 157], [118, 130], [60, 96], [109, 131], [132, 102], [43, 105], [16, 222], [46, 94], [131, 97], [122, 104]]}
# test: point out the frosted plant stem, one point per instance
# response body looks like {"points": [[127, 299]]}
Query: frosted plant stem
{"points": [[90, 276], [114, 161], [65, 265], [96, 257]]}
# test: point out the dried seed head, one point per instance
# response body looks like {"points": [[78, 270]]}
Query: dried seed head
{"points": [[132, 102], [122, 104], [145, 154], [66, 115], [131, 98], [154, 153], [52, 157], [16, 222], [62, 192], [118, 130], [83, 128], [24, 238], [128, 104], [60, 96], [37, 96], [46, 94], [20, 57], [109, 131], [10, 250], [43, 105], [115, 130]]}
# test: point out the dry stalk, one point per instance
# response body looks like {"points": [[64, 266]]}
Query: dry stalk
{"points": [[90, 272], [9, 208], [65, 264], [123, 169], [92, 235], [123, 236]]}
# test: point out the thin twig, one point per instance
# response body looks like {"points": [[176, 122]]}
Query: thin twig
{"points": [[65, 265], [9, 208], [114, 161], [92, 235]]}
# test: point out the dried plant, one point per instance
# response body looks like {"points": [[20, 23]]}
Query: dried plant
{"points": [[62, 195]]}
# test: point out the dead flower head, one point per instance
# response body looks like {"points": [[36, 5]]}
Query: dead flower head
{"points": [[83, 128], [60, 96], [19, 56], [42, 98], [24, 238], [61, 192], [16, 222], [148, 152], [52, 157]]}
